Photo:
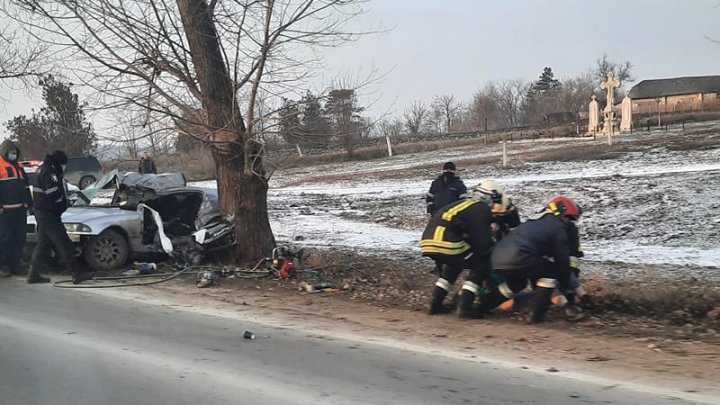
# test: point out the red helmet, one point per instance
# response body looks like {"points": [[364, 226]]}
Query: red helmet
{"points": [[564, 207]]}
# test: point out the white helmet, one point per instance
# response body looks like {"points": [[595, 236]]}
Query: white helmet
{"points": [[490, 190]]}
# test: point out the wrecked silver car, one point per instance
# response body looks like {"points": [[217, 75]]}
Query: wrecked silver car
{"points": [[127, 215]]}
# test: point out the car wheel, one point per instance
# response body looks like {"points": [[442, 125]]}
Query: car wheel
{"points": [[107, 251], [86, 181]]}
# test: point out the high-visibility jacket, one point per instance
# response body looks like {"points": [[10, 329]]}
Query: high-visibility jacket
{"points": [[458, 229], [14, 186]]}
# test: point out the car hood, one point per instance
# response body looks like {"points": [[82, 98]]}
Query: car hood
{"points": [[84, 215]]}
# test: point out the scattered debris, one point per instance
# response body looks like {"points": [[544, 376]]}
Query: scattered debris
{"points": [[205, 279], [598, 358]]}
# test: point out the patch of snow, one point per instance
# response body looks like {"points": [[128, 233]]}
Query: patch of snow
{"points": [[655, 206]]}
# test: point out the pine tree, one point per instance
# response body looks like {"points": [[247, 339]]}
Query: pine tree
{"points": [[60, 124]]}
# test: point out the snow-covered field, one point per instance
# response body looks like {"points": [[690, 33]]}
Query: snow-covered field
{"points": [[654, 205]]}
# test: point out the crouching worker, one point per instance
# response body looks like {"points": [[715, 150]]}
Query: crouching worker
{"points": [[565, 299], [457, 238], [523, 256]]}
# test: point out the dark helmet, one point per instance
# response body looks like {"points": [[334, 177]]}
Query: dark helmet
{"points": [[449, 167]]}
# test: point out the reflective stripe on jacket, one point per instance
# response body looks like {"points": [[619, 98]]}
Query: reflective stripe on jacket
{"points": [[459, 228], [14, 187], [50, 195]]}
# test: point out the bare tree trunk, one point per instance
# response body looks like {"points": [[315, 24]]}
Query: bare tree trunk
{"points": [[245, 196], [242, 187]]}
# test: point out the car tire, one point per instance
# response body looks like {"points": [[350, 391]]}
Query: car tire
{"points": [[107, 251], [86, 181]]}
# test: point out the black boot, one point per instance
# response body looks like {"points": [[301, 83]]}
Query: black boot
{"points": [[541, 303], [466, 310], [490, 302], [79, 277], [34, 277], [437, 305]]}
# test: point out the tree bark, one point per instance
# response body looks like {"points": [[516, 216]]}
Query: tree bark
{"points": [[242, 186], [244, 195]]}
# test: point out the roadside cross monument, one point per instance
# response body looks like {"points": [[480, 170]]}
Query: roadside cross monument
{"points": [[626, 111], [593, 116], [610, 85]]}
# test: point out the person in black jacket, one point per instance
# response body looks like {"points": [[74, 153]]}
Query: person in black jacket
{"points": [[524, 254], [15, 201], [50, 203], [147, 165], [458, 237], [446, 189]]}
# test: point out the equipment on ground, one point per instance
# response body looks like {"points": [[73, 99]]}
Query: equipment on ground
{"points": [[285, 262]]}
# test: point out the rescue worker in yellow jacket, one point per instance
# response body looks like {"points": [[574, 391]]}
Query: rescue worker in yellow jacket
{"points": [[15, 201], [459, 237]]}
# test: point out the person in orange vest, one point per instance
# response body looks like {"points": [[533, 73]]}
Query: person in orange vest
{"points": [[15, 201]]}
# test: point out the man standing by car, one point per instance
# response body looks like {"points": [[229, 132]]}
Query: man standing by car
{"points": [[50, 203], [15, 201], [147, 165]]}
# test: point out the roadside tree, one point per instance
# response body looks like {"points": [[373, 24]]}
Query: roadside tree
{"points": [[172, 57]]}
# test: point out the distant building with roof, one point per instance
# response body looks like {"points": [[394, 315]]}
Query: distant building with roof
{"points": [[678, 94]]}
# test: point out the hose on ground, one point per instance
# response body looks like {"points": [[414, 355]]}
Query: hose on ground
{"points": [[164, 277]]}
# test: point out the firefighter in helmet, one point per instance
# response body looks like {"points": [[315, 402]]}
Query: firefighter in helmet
{"points": [[574, 291], [524, 255], [505, 214], [459, 237]]}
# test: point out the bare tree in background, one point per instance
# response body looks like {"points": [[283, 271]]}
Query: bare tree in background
{"points": [[18, 59], [447, 109], [415, 117], [621, 71], [575, 93], [509, 96], [484, 111], [392, 127], [173, 57]]}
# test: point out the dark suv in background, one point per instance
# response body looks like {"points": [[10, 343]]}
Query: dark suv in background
{"points": [[83, 171]]}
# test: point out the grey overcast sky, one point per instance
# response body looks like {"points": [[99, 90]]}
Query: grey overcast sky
{"points": [[456, 46]]}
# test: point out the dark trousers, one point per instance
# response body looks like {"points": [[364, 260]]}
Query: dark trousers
{"points": [[12, 236], [51, 235], [479, 267], [517, 279]]}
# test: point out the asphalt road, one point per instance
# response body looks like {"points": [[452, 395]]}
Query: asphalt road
{"points": [[72, 347]]}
